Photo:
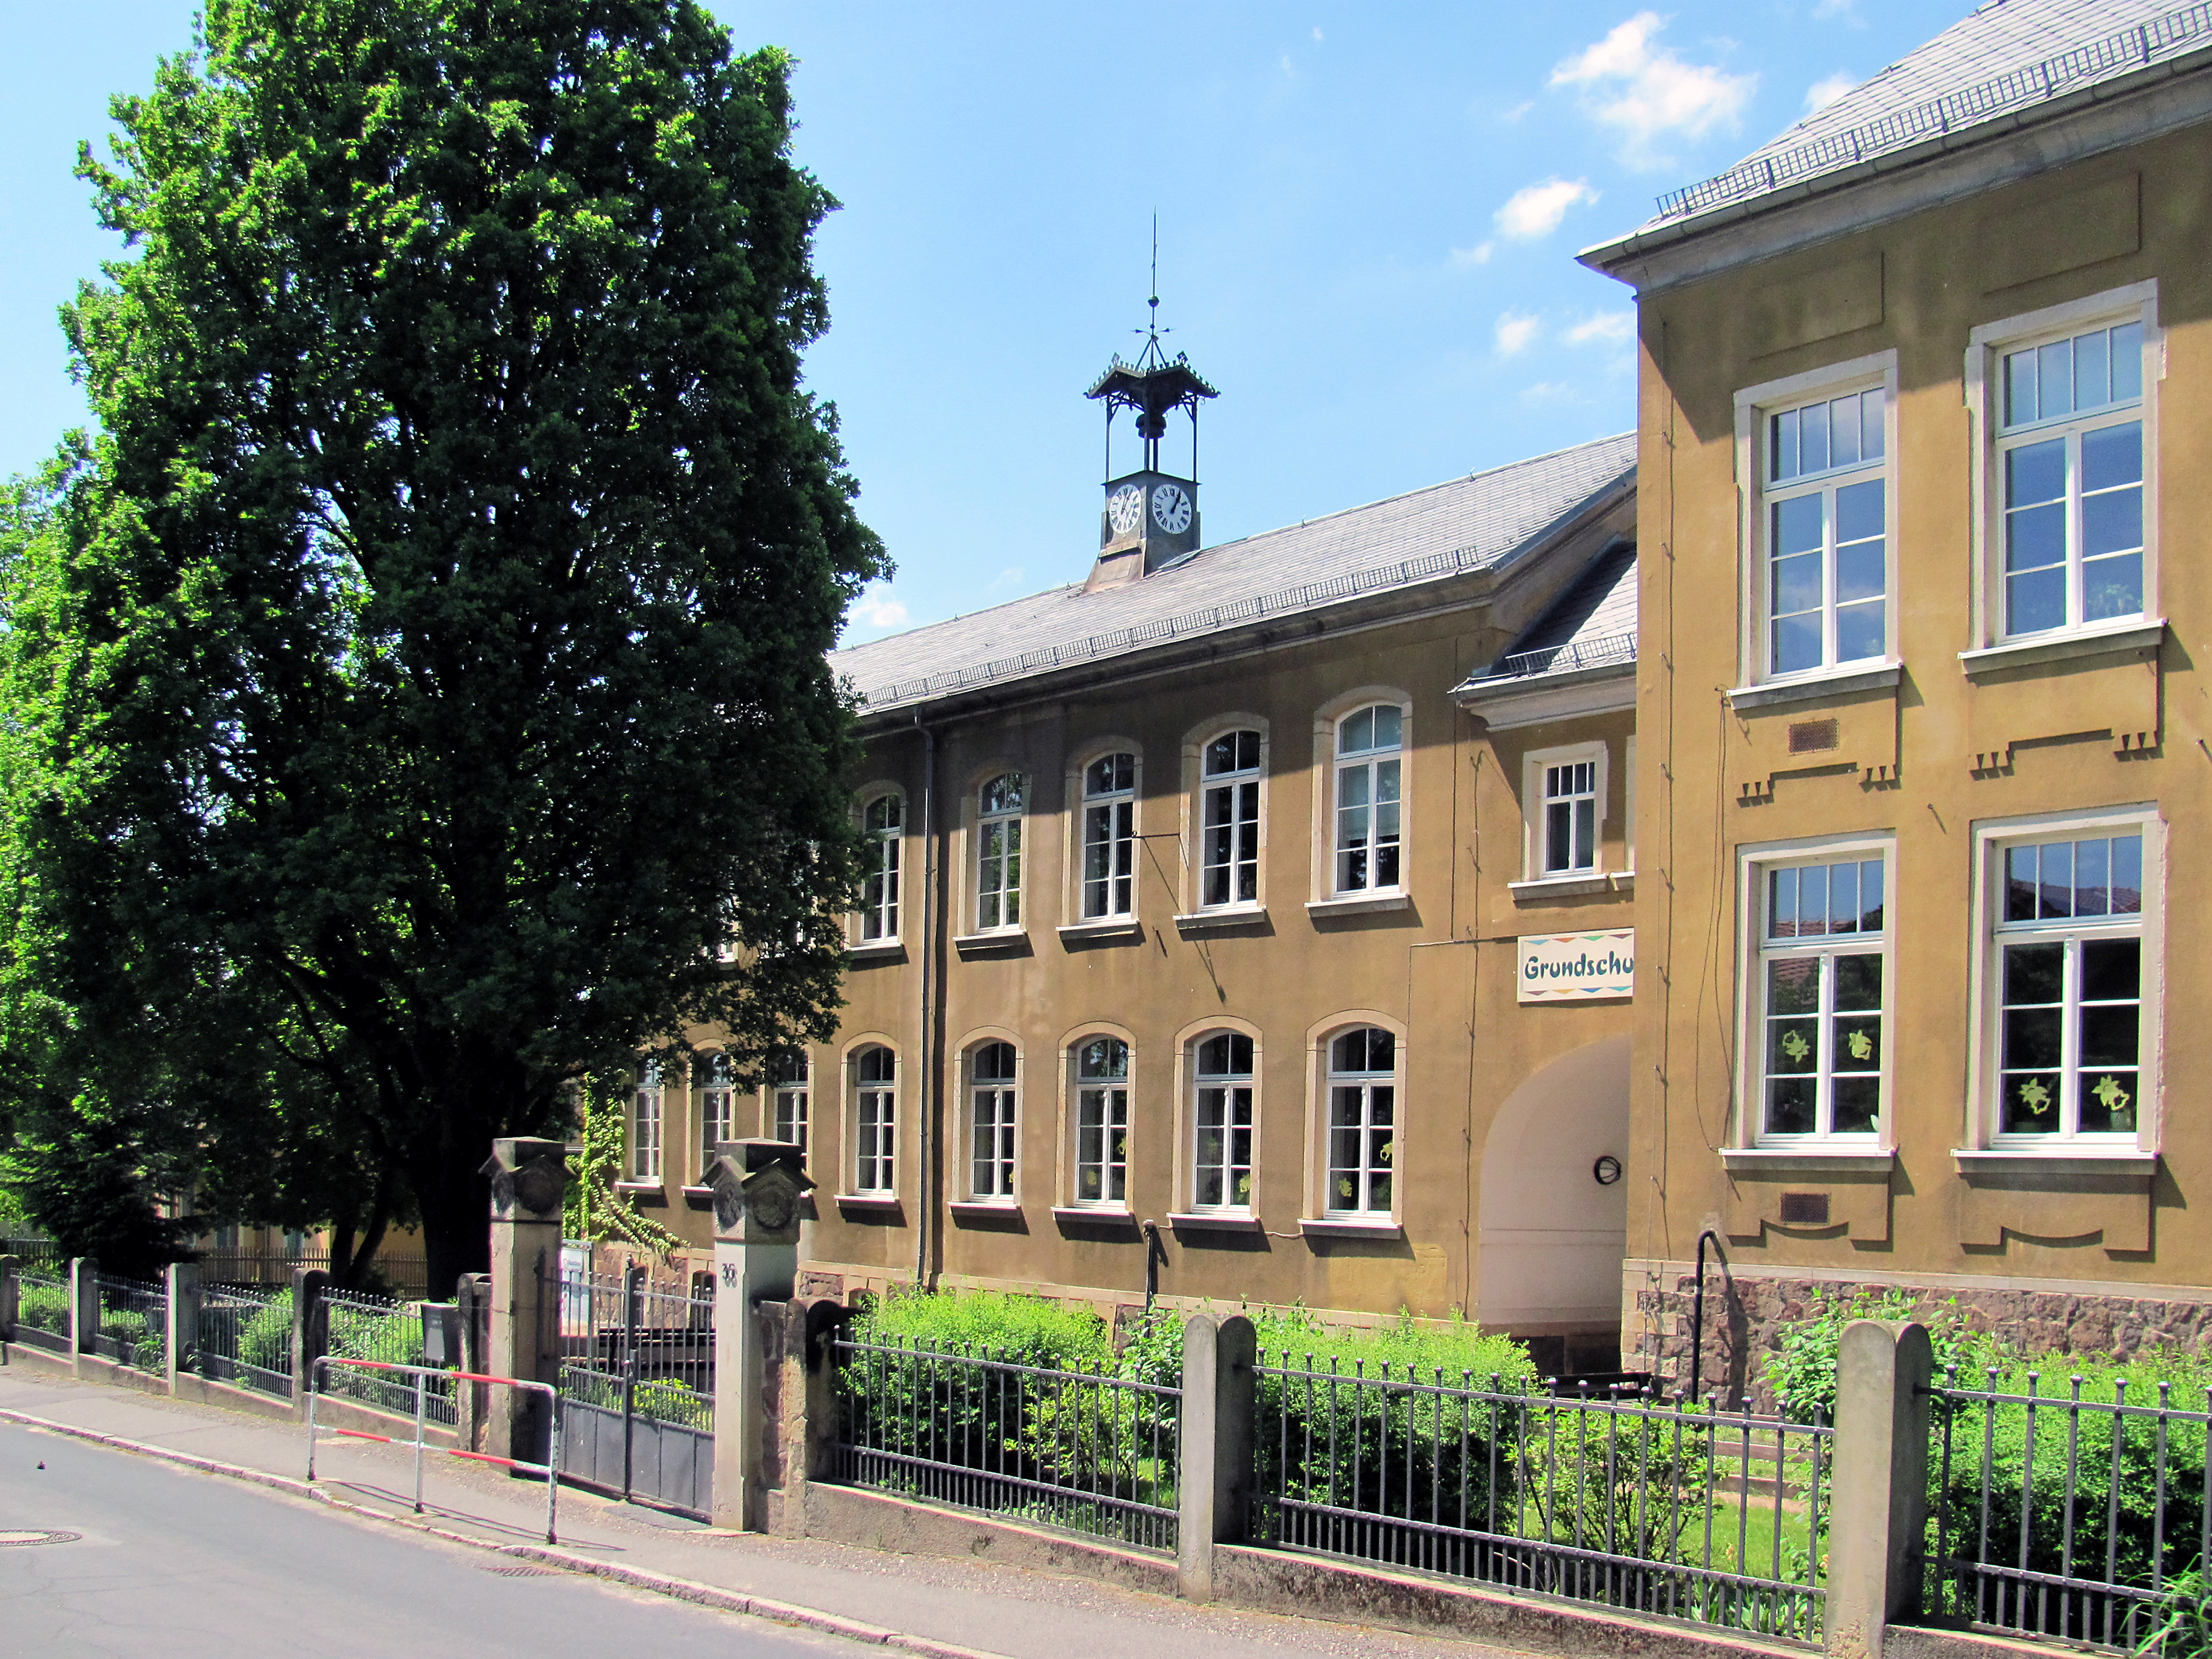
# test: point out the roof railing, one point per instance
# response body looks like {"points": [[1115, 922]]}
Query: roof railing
{"points": [[2130, 48], [1603, 651]]}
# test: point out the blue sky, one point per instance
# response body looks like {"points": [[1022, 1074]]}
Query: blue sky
{"points": [[1368, 213]]}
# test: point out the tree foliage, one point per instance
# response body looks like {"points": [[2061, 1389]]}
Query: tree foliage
{"points": [[416, 683]]}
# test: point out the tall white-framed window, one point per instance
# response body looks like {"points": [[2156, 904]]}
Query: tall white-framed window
{"points": [[1222, 1122], [1369, 774], [790, 1097], [647, 1102], [1563, 793], [1229, 820], [998, 853], [993, 1104], [1101, 1121], [1362, 1122], [2071, 980], [718, 1105], [1825, 533], [1109, 836], [1820, 996], [2070, 477], [883, 822], [875, 1121]]}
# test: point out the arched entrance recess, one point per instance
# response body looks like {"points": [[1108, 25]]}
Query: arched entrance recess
{"points": [[1552, 1238]]}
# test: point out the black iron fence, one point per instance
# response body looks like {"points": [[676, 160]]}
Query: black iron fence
{"points": [[359, 1326], [1622, 1500], [1080, 1450], [43, 1319], [246, 1339], [134, 1322], [408, 1274], [2062, 1516]]}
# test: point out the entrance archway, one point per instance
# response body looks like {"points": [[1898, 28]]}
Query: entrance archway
{"points": [[1552, 1238]]}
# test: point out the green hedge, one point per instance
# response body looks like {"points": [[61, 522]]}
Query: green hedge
{"points": [[43, 1307]]}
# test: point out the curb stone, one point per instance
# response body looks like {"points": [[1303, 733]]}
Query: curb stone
{"points": [[679, 1589]]}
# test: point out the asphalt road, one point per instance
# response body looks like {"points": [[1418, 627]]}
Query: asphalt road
{"points": [[173, 1563]]}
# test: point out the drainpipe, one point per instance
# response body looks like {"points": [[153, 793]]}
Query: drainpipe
{"points": [[926, 1049], [1697, 1310]]}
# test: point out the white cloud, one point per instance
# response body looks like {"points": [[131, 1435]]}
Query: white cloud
{"points": [[1516, 331], [1610, 327], [1846, 9], [1647, 93], [876, 608], [1552, 392], [1824, 91], [1536, 209], [1518, 110], [1012, 576], [1467, 258], [1317, 32]]}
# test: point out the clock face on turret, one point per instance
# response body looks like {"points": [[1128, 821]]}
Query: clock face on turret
{"points": [[1125, 508], [1171, 508]]}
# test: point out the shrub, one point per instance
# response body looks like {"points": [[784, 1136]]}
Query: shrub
{"points": [[1801, 1370], [266, 1339], [43, 1307]]}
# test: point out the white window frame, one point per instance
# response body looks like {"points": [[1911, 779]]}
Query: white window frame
{"points": [[1382, 1158], [718, 1105], [1112, 1110], [1008, 859], [1535, 808], [1754, 865], [879, 917], [1378, 765], [1242, 786], [648, 1123], [1755, 406], [1230, 1084], [1987, 347], [1119, 804], [1005, 1095], [1991, 932], [874, 1119], [790, 1101]]}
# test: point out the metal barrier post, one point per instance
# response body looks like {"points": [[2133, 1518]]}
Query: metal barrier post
{"points": [[1880, 1513], [418, 1443], [633, 1285], [311, 1434]]}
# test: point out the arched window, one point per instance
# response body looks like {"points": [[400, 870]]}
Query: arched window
{"points": [[1110, 835], [1222, 1120], [875, 1121], [1229, 819], [1363, 1117], [645, 1124], [1367, 779], [991, 1101], [791, 1077], [1101, 1121], [998, 853], [884, 821], [718, 1108]]}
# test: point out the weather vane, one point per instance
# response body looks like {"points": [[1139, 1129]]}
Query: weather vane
{"points": [[1152, 353]]}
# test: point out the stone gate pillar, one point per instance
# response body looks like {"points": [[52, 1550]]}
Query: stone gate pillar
{"points": [[529, 1179], [757, 1185]]}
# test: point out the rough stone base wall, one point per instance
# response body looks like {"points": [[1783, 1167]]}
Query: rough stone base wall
{"points": [[1747, 1311]]}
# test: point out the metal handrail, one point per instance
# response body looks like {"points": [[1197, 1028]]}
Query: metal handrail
{"points": [[550, 1468]]}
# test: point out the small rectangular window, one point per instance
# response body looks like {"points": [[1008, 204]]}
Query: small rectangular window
{"points": [[1368, 779], [1229, 843], [1101, 1121], [1362, 1119], [1570, 817], [1222, 1124], [879, 893], [990, 1117], [1109, 836], [998, 853], [645, 1124], [792, 1083], [1825, 592], [1822, 991], [875, 1122]]}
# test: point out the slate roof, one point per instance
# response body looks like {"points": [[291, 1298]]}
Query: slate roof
{"points": [[1591, 625], [1996, 65], [1483, 522]]}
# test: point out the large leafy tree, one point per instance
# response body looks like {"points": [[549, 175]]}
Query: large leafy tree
{"points": [[416, 681]]}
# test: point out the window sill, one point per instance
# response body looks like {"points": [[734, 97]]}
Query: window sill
{"points": [[879, 1201], [1551, 887], [699, 1198], [875, 949], [642, 1192], [1104, 928], [1229, 915], [1095, 1215], [2060, 647], [1356, 904], [998, 939], [1214, 1221], [2064, 1158], [1807, 1160], [985, 1209], [1829, 682], [1345, 1227]]}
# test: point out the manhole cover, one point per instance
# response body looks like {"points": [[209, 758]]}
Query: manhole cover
{"points": [[9, 1536]]}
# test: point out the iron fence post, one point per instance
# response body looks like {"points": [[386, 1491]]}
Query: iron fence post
{"points": [[633, 1280]]}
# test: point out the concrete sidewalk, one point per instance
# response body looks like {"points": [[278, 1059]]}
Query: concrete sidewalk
{"points": [[980, 1606]]}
